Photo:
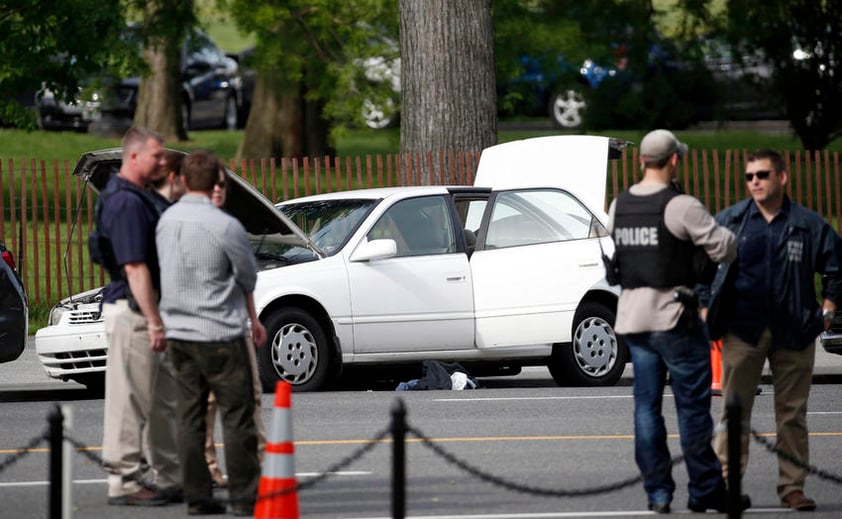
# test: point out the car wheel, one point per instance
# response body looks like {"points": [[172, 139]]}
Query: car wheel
{"points": [[595, 356], [296, 351], [567, 109], [231, 117]]}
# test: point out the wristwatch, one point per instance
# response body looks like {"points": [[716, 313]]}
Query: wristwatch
{"points": [[827, 314]]}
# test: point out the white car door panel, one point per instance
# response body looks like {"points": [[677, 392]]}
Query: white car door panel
{"points": [[537, 261], [416, 303]]}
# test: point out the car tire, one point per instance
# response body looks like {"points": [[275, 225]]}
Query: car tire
{"points": [[567, 108], [231, 116], [595, 356], [296, 351]]}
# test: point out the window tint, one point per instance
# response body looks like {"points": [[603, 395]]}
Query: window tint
{"points": [[419, 226], [538, 216]]}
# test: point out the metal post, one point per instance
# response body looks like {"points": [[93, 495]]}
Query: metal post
{"points": [[733, 411], [56, 421], [398, 460], [67, 473]]}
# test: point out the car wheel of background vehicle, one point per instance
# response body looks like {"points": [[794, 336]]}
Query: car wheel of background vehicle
{"points": [[230, 118], [595, 356], [567, 109], [296, 351]]}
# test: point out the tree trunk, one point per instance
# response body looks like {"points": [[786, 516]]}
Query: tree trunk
{"points": [[159, 95], [281, 123], [448, 92]]}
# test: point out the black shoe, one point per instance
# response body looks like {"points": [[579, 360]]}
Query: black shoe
{"points": [[170, 494], [718, 502], [660, 508], [143, 497], [209, 507], [243, 510]]}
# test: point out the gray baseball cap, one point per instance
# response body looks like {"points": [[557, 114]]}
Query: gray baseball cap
{"points": [[660, 144]]}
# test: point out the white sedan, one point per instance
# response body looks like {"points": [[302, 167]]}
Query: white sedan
{"points": [[501, 274]]}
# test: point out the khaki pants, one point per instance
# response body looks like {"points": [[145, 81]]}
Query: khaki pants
{"points": [[140, 421], [210, 445], [792, 375]]}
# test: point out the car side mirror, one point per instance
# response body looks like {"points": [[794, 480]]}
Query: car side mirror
{"points": [[375, 249]]}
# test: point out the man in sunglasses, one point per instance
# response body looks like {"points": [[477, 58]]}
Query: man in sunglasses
{"points": [[659, 233], [764, 306]]}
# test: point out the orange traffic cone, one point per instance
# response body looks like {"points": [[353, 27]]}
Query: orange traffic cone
{"points": [[716, 367], [276, 495]]}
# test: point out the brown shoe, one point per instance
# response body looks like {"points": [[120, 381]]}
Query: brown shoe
{"points": [[218, 479], [143, 497], [798, 501]]}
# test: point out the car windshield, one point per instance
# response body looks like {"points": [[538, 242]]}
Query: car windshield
{"points": [[329, 223]]}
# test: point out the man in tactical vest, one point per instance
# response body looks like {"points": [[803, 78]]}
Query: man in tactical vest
{"points": [[658, 232]]}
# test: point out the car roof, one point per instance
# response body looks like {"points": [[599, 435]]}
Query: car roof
{"points": [[374, 193]]}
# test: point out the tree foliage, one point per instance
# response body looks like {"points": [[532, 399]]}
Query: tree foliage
{"points": [[308, 59], [57, 44], [802, 39]]}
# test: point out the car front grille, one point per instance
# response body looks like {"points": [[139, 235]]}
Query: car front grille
{"points": [[84, 317], [74, 360]]}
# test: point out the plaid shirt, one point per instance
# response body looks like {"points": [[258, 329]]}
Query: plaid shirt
{"points": [[207, 267]]}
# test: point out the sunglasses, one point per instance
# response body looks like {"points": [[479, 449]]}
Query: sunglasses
{"points": [[761, 175], [221, 184]]}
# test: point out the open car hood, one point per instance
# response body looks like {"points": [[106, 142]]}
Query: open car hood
{"points": [[576, 163], [244, 202]]}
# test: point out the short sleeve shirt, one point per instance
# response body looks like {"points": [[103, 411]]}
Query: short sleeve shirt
{"points": [[129, 222]]}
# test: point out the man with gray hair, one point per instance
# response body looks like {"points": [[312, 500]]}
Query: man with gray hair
{"points": [[208, 273], [659, 235]]}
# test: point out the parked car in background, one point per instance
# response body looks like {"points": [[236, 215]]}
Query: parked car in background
{"points": [[831, 339], [57, 114], [14, 312], [498, 275], [212, 93]]}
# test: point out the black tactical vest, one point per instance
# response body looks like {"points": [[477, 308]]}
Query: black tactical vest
{"points": [[648, 255]]}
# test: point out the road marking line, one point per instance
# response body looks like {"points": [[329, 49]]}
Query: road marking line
{"points": [[103, 481]]}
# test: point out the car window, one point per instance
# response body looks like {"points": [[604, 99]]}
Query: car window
{"points": [[329, 223], [419, 226], [538, 216], [200, 49]]}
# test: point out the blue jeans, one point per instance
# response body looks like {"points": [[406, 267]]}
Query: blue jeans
{"points": [[684, 354]]}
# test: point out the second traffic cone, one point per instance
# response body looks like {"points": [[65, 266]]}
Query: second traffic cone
{"points": [[277, 497], [716, 367]]}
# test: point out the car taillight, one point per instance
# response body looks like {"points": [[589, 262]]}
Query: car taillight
{"points": [[9, 259]]}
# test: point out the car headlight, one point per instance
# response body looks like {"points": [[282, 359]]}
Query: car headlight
{"points": [[55, 315]]}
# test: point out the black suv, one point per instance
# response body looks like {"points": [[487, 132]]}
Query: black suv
{"points": [[14, 313], [212, 94]]}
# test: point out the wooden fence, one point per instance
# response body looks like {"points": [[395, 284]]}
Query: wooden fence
{"points": [[45, 217]]}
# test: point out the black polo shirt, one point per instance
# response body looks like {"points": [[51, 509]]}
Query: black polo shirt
{"points": [[754, 307]]}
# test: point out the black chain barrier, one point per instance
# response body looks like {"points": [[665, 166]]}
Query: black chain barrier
{"points": [[87, 452], [22, 452], [819, 473]]}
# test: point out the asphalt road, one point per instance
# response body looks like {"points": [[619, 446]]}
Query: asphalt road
{"points": [[524, 430]]}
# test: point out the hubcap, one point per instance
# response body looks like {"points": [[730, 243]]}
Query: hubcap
{"points": [[568, 108], [595, 347], [295, 354]]}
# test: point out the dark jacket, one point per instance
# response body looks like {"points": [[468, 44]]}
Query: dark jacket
{"points": [[794, 291]]}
